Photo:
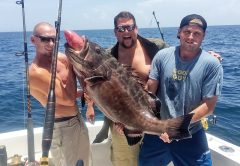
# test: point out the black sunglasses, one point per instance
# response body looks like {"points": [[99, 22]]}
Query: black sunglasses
{"points": [[123, 28], [45, 39]]}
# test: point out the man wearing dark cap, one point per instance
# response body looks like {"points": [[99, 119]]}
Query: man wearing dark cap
{"points": [[187, 80], [194, 19]]}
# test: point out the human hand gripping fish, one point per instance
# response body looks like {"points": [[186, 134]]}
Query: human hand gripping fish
{"points": [[117, 93]]}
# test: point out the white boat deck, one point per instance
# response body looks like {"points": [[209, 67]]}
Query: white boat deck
{"points": [[223, 153]]}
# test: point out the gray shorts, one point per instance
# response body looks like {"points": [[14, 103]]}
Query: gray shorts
{"points": [[70, 143]]}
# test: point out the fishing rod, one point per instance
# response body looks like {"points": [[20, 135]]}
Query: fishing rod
{"points": [[50, 108], [158, 26], [30, 133]]}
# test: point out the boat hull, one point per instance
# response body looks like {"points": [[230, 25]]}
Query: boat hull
{"points": [[223, 153]]}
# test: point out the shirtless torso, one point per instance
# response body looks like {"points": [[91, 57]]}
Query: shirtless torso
{"points": [[69, 129], [65, 85], [137, 58]]}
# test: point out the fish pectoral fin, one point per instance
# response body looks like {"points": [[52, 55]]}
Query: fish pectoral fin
{"points": [[94, 80], [178, 128], [103, 133], [134, 74], [133, 137]]}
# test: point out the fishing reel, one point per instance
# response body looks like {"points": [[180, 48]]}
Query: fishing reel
{"points": [[16, 160], [211, 119]]}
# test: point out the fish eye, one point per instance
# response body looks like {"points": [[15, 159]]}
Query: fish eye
{"points": [[98, 50]]}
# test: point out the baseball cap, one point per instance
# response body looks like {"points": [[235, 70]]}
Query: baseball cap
{"points": [[194, 19]]}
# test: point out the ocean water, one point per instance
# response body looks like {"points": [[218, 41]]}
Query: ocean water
{"points": [[222, 39]]}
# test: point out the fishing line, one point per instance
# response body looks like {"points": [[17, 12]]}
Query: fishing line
{"points": [[150, 23]]}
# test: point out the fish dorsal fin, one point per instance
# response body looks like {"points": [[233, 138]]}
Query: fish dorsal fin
{"points": [[127, 67], [132, 73]]}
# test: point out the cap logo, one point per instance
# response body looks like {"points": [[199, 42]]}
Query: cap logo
{"points": [[196, 21]]}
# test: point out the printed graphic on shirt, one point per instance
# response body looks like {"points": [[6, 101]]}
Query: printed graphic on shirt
{"points": [[179, 75]]}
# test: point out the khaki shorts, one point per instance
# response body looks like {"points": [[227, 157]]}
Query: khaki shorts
{"points": [[121, 153], [70, 143]]}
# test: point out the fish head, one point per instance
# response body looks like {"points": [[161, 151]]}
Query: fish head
{"points": [[85, 56], [74, 40]]}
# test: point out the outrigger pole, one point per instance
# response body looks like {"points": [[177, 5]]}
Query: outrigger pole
{"points": [[158, 26], [50, 108], [30, 134]]}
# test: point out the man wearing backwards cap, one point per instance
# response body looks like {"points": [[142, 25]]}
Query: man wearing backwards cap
{"points": [[186, 79]]}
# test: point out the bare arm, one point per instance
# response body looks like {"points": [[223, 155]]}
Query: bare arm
{"points": [[205, 109], [90, 114], [152, 85]]}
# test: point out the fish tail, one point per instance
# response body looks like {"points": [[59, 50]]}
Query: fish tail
{"points": [[178, 128]]}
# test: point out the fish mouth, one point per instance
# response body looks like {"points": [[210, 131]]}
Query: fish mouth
{"points": [[132, 137], [75, 56]]}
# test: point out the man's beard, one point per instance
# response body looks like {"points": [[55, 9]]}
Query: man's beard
{"points": [[128, 46]]}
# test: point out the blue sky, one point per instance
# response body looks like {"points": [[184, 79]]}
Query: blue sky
{"points": [[99, 14]]}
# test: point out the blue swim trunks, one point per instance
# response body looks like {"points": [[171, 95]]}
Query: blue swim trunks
{"points": [[186, 152]]}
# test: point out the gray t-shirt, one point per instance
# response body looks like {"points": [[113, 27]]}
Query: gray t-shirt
{"points": [[183, 84]]}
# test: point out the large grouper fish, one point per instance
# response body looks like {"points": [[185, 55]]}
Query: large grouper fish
{"points": [[117, 92]]}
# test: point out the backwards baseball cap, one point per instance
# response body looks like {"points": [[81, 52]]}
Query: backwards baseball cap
{"points": [[194, 19]]}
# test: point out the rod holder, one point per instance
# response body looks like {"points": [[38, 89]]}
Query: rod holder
{"points": [[3, 155]]}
